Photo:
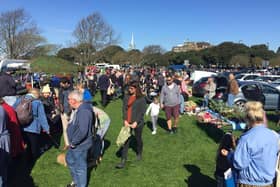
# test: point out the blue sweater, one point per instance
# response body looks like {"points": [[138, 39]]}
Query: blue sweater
{"points": [[255, 156], [87, 96], [79, 129]]}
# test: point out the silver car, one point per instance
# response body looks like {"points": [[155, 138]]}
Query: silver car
{"points": [[267, 94]]}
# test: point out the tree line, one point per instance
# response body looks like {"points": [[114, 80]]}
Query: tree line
{"points": [[96, 41]]}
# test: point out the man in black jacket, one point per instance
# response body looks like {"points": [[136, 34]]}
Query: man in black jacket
{"points": [[103, 84], [8, 88]]}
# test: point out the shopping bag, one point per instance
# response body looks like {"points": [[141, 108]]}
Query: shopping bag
{"points": [[123, 136], [229, 178], [277, 179]]}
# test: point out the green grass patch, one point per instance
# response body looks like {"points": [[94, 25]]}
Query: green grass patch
{"points": [[183, 159], [53, 65]]}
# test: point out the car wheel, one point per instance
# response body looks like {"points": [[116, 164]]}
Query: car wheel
{"points": [[241, 105]]}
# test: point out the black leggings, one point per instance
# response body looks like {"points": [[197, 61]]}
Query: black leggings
{"points": [[139, 142], [104, 97], [33, 144]]}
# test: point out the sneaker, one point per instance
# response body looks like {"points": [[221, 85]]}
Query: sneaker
{"points": [[92, 164], [139, 157], [170, 131], [154, 132], [71, 185], [174, 129], [121, 165]]}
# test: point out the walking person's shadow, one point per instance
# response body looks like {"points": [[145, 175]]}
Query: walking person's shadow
{"points": [[197, 178]]}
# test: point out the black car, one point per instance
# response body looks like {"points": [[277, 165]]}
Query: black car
{"points": [[198, 88]]}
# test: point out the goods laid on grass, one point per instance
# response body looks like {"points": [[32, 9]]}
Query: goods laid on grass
{"points": [[211, 117], [190, 106]]}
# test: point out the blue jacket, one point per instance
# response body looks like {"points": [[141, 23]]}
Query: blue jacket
{"points": [[39, 116], [255, 156], [79, 130]]}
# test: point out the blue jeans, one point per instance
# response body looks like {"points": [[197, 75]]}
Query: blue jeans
{"points": [[205, 101], [77, 163], [230, 100], [182, 104]]}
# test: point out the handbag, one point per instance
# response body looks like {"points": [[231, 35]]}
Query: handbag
{"points": [[229, 178], [111, 89], [123, 136]]}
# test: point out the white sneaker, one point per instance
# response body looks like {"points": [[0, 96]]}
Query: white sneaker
{"points": [[154, 132]]}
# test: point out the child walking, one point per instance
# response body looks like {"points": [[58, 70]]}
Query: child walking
{"points": [[154, 108], [222, 164]]}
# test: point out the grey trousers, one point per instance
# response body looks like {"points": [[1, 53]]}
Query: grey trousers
{"points": [[154, 122]]}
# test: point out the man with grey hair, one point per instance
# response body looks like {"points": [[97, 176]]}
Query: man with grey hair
{"points": [[80, 138]]}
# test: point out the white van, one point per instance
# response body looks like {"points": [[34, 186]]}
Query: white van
{"points": [[196, 75], [114, 66], [101, 65]]}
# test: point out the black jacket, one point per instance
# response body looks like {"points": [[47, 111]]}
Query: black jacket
{"points": [[138, 110], [103, 82], [8, 85]]}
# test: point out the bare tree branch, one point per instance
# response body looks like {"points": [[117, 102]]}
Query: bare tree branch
{"points": [[18, 33], [95, 31]]}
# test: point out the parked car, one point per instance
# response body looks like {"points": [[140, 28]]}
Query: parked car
{"points": [[267, 94], [276, 83], [246, 76], [267, 78], [198, 88]]}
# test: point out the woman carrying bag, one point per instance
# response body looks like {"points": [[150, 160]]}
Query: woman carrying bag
{"points": [[134, 108]]}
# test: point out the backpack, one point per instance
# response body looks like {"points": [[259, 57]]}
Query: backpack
{"points": [[95, 124], [24, 112]]}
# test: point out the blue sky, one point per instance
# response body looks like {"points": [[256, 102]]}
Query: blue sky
{"points": [[160, 22]]}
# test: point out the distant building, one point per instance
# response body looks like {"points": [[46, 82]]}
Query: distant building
{"points": [[191, 46], [132, 43]]}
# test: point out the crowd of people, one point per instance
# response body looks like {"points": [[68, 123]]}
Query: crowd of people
{"points": [[143, 92]]}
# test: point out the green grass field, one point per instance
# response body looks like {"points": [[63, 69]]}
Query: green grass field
{"points": [[183, 159]]}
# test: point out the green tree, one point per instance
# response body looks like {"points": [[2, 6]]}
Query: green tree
{"points": [[121, 57], [240, 61], [227, 50], [134, 57], [175, 58], [262, 51], [275, 61], [153, 49], [110, 51], [278, 51], [155, 59], [71, 54]]}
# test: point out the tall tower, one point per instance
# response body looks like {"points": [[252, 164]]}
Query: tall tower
{"points": [[132, 44]]}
